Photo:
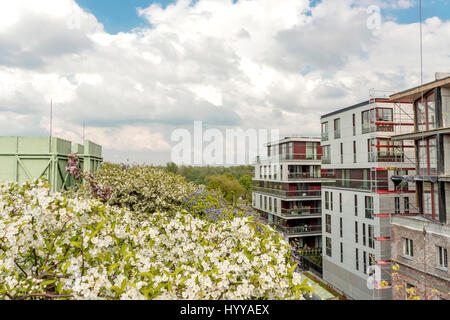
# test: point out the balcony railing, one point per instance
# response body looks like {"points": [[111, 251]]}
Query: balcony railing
{"points": [[326, 160], [376, 157], [306, 229], [303, 212], [302, 175], [337, 134], [289, 194], [357, 184], [287, 156], [325, 136]]}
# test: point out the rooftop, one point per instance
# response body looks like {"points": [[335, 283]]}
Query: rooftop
{"points": [[361, 104], [415, 93]]}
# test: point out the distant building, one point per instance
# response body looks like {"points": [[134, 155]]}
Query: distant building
{"points": [[421, 243], [358, 198], [25, 159], [287, 189]]}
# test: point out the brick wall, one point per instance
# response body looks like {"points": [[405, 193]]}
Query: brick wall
{"points": [[421, 270]]}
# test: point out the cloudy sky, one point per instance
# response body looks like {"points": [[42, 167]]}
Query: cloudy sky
{"points": [[134, 71]]}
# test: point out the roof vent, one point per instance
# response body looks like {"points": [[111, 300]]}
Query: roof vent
{"points": [[442, 75]]}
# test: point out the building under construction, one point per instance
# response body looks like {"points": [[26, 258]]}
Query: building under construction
{"points": [[25, 159], [421, 242], [359, 199]]}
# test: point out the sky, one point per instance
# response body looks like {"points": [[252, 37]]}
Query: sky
{"points": [[135, 71]]}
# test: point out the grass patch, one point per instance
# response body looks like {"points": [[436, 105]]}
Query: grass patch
{"points": [[325, 286]]}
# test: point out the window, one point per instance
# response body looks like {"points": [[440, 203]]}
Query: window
{"points": [[441, 257], [340, 202], [430, 200], [325, 131], [270, 204], [369, 207], [356, 231], [357, 258], [327, 200], [384, 119], [371, 239], [354, 124], [427, 157], [356, 205], [260, 202], [367, 117], [426, 113], [275, 207], [354, 151], [331, 201], [365, 262], [326, 157], [364, 234], [337, 128], [328, 246], [265, 203], [410, 290], [342, 252], [340, 227], [397, 205], [408, 248], [342, 153], [328, 223], [371, 259], [406, 204]]}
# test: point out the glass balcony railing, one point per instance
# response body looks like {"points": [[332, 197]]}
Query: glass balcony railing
{"points": [[302, 175], [306, 229], [326, 160], [302, 212], [289, 194], [381, 185], [325, 136], [337, 134]]}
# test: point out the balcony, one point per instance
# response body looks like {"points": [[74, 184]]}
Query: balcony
{"points": [[300, 230], [302, 175], [289, 194], [302, 213], [324, 136]]}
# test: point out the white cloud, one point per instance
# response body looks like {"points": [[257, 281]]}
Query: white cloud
{"points": [[255, 63]]}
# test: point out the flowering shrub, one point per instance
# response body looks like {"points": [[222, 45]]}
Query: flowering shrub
{"points": [[55, 247], [95, 190], [144, 189]]}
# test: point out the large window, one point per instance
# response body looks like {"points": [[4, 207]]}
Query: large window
{"points": [[325, 131], [328, 246], [326, 157], [328, 223], [369, 207], [337, 128], [430, 200], [426, 113], [327, 200], [371, 239], [427, 157], [384, 119], [367, 117], [311, 151]]}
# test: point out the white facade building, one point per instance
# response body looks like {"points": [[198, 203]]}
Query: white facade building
{"points": [[359, 198]]}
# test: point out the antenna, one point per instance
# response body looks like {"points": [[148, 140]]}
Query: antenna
{"points": [[51, 123]]}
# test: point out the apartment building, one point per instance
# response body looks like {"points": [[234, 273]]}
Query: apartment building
{"points": [[421, 242], [358, 197], [287, 189]]}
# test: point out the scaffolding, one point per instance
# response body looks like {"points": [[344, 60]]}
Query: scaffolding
{"points": [[403, 156]]}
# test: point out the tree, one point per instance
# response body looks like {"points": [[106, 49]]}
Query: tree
{"points": [[172, 167], [227, 185]]}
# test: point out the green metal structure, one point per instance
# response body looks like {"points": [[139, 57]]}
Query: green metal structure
{"points": [[25, 159]]}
